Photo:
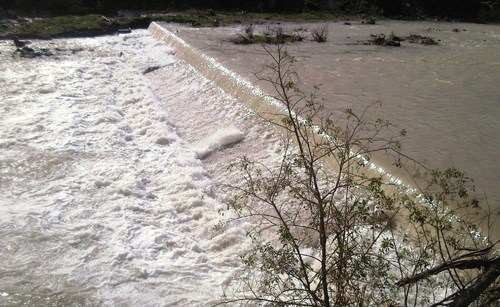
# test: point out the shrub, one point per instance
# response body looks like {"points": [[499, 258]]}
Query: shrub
{"points": [[320, 34], [328, 231], [271, 35]]}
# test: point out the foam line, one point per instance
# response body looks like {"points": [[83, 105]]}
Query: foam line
{"points": [[218, 140]]}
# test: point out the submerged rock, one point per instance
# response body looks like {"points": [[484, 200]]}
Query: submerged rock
{"points": [[19, 43], [28, 52]]}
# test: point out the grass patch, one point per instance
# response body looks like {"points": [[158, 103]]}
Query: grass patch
{"points": [[306, 16], [61, 25], [210, 18]]}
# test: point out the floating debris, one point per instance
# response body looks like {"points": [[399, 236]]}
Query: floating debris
{"points": [[393, 40], [419, 39], [390, 41]]}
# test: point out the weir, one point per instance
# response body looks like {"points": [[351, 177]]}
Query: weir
{"points": [[264, 105], [243, 90]]}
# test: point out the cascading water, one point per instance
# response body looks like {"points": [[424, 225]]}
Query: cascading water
{"points": [[106, 175]]}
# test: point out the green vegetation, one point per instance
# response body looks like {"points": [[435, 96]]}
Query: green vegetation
{"points": [[94, 24], [62, 25], [81, 17], [276, 35]]}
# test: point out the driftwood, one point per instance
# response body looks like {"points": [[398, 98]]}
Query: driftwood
{"points": [[463, 262], [395, 41], [467, 296], [477, 259]]}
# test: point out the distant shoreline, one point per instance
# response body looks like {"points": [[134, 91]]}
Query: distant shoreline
{"points": [[47, 26]]}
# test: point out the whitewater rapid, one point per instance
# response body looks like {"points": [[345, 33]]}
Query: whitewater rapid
{"points": [[109, 175]]}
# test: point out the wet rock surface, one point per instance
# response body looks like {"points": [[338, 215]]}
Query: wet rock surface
{"points": [[32, 50], [28, 52]]}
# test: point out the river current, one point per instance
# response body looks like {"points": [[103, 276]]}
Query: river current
{"points": [[110, 150]]}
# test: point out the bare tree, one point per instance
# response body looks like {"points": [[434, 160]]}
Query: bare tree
{"points": [[324, 224]]}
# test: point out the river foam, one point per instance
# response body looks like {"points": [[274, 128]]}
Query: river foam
{"points": [[107, 176]]}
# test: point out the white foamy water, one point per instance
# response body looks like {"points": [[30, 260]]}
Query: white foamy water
{"points": [[107, 176]]}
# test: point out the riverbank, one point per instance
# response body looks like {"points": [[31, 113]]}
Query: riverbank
{"points": [[46, 25]]}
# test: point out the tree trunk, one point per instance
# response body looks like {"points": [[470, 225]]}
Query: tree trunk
{"points": [[483, 282]]}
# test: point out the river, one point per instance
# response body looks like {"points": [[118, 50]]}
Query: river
{"points": [[111, 148]]}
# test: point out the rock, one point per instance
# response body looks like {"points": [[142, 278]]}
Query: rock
{"points": [[19, 43], [150, 69], [163, 141], [27, 52], [27, 49], [124, 31], [30, 55]]}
